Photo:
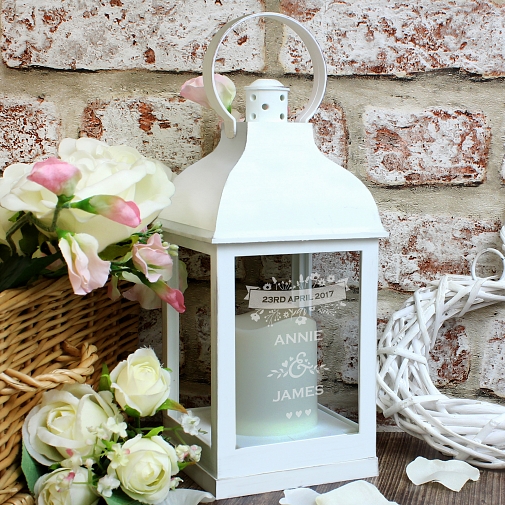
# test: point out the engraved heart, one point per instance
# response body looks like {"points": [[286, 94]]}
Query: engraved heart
{"points": [[285, 364], [289, 414], [307, 412], [298, 413]]}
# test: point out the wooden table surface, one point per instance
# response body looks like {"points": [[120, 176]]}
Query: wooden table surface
{"points": [[395, 451]]}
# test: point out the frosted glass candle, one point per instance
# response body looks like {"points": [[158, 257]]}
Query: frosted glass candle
{"points": [[276, 376]]}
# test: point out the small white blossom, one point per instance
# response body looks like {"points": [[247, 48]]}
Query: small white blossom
{"points": [[174, 482], [190, 423], [182, 452], [195, 453], [107, 484], [89, 462], [74, 462], [118, 456], [117, 426]]}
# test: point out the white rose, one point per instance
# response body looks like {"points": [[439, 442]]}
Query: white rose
{"points": [[147, 475], [140, 383], [106, 170], [66, 423], [65, 486]]}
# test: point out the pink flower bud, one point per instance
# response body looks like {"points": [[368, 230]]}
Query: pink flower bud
{"points": [[194, 90], [170, 295], [56, 175], [112, 207]]}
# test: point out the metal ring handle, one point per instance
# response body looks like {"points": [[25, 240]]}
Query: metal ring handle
{"points": [[491, 250], [318, 63]]}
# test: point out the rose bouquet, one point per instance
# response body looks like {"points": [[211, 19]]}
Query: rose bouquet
{"points": [[90, 213], [80, 446]]}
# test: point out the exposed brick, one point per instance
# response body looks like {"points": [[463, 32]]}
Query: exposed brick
{"points": [[169, 35], [433, 146], [29, 130], [492, 373], [449, 362], [330, 131], [399, 37], [421, 248], [167, 129], [341, 265]]}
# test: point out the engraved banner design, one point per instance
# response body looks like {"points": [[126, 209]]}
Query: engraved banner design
{"points": [[293, 299]]}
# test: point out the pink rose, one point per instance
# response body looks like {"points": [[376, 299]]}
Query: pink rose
{"points": [[85, 269], [56, 175], [194, 90], [152, 259]]}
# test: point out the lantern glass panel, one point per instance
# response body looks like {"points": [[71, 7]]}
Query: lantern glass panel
{"points": [[296, 346]]}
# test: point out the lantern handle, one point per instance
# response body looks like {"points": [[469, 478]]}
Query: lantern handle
{"points": [[318, 64]]}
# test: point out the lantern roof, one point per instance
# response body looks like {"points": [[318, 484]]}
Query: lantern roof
{"points": [[267, 181], [270, 183]]}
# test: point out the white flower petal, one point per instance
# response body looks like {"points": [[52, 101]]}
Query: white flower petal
{"points": [[299, 496], [358, 492], [187, 497], [452, 474]]}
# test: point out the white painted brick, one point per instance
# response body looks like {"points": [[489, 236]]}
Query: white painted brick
{"points": [[434, 146], [421, 248], [167, 129], [330, 131], [29, 130], [492, 373], [399, 37], [124, 34]]}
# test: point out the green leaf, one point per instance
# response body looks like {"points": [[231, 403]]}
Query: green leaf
{"points": [[114, 251], [119, 497], [183, 464], [19, 270], [105, 382], [30, 240], [16, 216], [131, 412], [154, 432], [5, 252], [169, 404], [31, 469]]}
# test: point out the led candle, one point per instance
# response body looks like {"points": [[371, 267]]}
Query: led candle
{"points": [[276, 375]]}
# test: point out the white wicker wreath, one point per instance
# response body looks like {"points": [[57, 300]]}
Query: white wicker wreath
{"points": [[469, 430]]}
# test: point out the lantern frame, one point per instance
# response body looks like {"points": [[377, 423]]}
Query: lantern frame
{"points": [[227, 470], [338, 449]]}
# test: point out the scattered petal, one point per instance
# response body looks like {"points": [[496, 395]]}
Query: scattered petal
{"points": [[299, 496], [452, 474], [358, 492], [187, 497]]}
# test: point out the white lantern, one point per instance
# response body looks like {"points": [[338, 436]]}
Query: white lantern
{"points": [[267, 197]]}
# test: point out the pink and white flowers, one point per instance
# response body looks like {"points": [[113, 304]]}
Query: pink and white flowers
{"points": [[94, 208]]}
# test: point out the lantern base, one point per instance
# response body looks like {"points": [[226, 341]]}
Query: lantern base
{"points": [[288, 479]]}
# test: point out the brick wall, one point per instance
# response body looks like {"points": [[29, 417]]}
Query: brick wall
{"points": [[415, 107]]}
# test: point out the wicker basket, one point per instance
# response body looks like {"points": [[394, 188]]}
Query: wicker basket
{"points": [[49, 336]]}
